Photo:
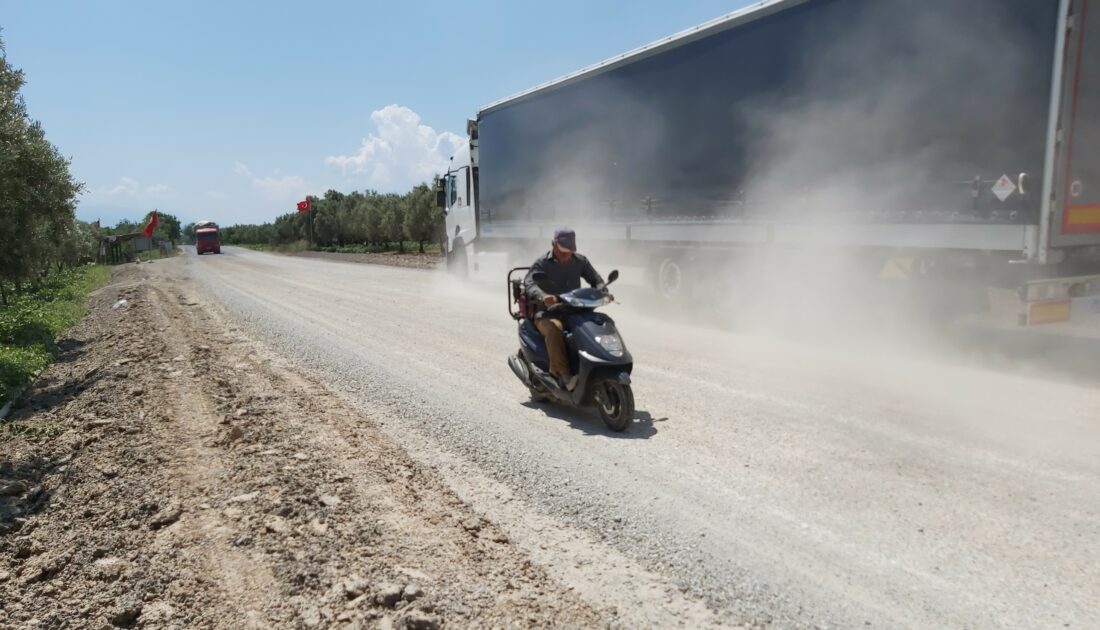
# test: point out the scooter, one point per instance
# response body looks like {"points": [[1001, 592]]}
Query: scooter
{"points": [[596, 352]]}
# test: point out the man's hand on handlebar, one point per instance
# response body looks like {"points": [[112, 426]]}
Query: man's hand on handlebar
{"points": [[549, 300]]}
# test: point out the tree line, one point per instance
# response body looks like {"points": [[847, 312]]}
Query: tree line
{"points": [[38, 226], [168, 227], [387, 220]]}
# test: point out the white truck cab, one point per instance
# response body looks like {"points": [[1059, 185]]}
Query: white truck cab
{"points": [[458, 199]]}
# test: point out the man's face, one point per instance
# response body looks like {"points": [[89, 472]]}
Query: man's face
{"points": [[561, 255]]}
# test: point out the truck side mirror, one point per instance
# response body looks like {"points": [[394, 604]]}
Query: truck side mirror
{"points": [[441, 199]]}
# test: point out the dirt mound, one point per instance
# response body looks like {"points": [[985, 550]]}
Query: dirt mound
{"points": [[171, 473]]}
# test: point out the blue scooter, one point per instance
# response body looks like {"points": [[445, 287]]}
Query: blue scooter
{"points": [[596, 352]]}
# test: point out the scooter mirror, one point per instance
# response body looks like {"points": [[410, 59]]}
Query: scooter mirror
{"points": [[613, 276]]}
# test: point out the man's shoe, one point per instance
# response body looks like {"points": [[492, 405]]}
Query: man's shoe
{"points": [[571, 384]]}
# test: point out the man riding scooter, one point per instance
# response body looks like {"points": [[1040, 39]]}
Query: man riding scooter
{"points": [[559, 271]]}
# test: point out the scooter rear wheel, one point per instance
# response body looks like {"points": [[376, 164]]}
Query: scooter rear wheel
{"points": [[615, 402]]}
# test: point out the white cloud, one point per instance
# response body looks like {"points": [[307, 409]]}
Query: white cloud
{"points": [[216, 195], [125, 187], [275, 187], [402, 153], [282, 187], [128, 187]]}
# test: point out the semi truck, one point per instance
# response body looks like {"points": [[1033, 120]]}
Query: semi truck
{"points": [[946, 138]]}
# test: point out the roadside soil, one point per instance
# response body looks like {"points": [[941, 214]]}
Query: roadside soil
{"points": [[170, 472], [411, 260]]}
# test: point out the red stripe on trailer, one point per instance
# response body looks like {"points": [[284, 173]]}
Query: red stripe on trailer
{"points": [[1078, 219]]}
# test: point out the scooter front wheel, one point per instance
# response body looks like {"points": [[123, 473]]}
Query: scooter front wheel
{"points": [[616, 404]]}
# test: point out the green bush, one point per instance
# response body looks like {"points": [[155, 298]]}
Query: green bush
{"points": [[18, 366], [32, 321]]}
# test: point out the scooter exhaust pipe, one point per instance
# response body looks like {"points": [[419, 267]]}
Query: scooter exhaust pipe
{"points": [[520, 369]]}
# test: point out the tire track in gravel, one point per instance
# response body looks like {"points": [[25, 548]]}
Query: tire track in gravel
{"points": [[607, 578], [351, 508], [120, 537], [199, 465], [199, 482]]}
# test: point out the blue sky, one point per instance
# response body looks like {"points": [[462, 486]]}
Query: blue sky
{"points": [[233, 110]]}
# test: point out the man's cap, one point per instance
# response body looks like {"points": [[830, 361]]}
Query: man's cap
{"points": [[566, 239]]}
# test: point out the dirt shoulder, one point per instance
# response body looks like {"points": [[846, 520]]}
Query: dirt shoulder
{"points": [[172, 473], [414, 261]]}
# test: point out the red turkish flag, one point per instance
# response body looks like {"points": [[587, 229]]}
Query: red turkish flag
{"points": [[152, 225], [303, 206]]}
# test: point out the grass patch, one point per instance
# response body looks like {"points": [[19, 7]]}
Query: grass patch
{"points": [[32, 321]]}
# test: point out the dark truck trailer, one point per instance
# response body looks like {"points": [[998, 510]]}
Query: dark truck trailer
{"points": [[925, 127]]}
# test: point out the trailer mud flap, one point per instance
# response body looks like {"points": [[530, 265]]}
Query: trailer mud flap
{"points": [[1048, 312], [1048, 301]]}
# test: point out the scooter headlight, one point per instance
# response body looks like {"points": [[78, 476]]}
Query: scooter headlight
{"points": [[572, 301], [612, 344]]}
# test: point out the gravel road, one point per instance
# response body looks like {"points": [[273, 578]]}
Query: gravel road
{"points": [[784, 485]]}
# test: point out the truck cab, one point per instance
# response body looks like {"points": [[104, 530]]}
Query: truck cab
{"points": [[458, 198], [207, 238]]}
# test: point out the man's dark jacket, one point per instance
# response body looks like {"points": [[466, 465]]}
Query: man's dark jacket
{"points": [[554, 278]]}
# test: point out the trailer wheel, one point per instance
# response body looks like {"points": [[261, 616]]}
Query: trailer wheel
{"points": [[668, 277]]}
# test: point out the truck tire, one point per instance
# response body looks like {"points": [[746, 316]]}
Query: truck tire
{"points": [[457, 262]]}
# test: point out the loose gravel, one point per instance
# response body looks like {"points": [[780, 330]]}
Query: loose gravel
{"points": [[786, 486]]}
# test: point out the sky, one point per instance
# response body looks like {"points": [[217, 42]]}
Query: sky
{"points": [[232, 111]]}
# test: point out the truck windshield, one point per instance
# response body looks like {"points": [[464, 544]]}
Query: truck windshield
{"points": [[207, 236], [1083, 183]]}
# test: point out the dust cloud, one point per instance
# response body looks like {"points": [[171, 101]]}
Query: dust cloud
{"points": [[883, 127], [888, 126]]}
